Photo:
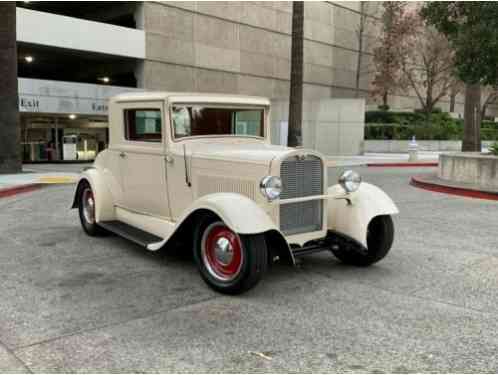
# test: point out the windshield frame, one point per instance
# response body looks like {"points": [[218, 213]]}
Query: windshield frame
{"points": [[219, 105]]}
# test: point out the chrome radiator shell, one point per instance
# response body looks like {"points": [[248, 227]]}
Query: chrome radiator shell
{"points": [[302, 176]]}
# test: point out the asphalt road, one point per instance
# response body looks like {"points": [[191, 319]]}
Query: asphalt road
{"points": [[71, 303]]}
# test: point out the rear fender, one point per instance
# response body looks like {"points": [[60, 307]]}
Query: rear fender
{"points": [[104, 204], [351, 213]]}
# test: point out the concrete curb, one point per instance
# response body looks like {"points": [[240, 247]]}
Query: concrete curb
{"points": [[403, 164], [421, 182], [18, 189]]}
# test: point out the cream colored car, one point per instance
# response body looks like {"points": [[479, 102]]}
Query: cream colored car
{"points": [[200, 168]]}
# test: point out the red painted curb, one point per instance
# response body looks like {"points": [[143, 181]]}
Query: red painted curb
{"points": [[469, 193], [8, 192], [431, 164]]}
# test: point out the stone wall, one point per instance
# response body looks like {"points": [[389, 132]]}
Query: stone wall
{"points": [[245, 47], [330, 126]]}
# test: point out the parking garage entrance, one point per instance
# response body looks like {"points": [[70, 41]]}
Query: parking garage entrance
{"points": [[63, 121]]}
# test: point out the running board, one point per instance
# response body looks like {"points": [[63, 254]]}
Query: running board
{"points": [[140, 237]]}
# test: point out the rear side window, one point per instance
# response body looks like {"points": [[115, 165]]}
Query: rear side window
{"points": [[143, 125]]}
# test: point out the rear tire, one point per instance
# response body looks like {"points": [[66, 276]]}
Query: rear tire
{"points": [[380, 237], [229, 263], [86, 209]]}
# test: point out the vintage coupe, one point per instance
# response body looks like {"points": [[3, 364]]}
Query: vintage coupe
{"points": [[200, 168]]}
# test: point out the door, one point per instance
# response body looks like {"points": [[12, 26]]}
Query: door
{"points": [[142, 160]]}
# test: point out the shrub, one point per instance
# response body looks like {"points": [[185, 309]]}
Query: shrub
{"points": [[494, 148], [404, 125]]}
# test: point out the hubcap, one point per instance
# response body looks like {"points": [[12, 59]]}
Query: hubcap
{"points": [[88, 206], [221, 252]]}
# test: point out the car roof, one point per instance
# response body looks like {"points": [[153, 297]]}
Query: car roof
{"points": [[189, 97]]}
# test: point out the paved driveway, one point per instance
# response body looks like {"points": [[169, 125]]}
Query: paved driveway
{"points": [[73, 303]]}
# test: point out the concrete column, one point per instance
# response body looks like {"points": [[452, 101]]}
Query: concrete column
{"points": [[10, 147]]}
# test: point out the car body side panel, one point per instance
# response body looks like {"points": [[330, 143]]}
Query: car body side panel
{"points": [[351, 216]]}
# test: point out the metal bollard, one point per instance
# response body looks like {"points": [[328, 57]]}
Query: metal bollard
{"points": [[413, 150]]}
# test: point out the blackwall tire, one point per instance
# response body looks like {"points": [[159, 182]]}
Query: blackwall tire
{"points": [[380, 238], [87, 217], [228, 262]]}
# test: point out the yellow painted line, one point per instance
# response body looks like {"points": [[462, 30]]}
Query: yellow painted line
{"points": [[57, 180]]}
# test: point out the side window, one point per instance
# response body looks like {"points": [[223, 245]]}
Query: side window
{"points": [[181, 122], [143, 125], [248, 122]]}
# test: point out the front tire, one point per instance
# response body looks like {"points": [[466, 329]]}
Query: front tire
{"points": [[380, 237], [228, 262], [86, 209]]}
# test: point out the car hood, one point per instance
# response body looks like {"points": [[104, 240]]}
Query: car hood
{"points": [[254, 152]]}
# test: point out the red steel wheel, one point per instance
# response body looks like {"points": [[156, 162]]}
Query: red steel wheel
{"points": [[221, 252]]}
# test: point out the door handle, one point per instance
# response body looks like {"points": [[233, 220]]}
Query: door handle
{"points": [[122, 155], [169, 159]]}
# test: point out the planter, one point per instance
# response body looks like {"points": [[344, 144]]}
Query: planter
{"points": [[472, 168]]}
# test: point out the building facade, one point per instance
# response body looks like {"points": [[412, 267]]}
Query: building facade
{"points": [[73, 55], [245, 47]]}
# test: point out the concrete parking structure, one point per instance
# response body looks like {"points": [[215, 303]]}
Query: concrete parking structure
{"points": [[71, 303]]}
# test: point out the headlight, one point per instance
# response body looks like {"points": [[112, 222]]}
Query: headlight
{"points": [[350, 181], [271, 187]]}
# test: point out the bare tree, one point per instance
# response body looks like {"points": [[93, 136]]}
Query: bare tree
{"points": [[360, 35], [428, 66], [455, 89], [296, 82], [387, 62], [10, 160], [489, 95]]}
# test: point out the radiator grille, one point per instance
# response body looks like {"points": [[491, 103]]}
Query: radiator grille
{"points": [[301, 178]]}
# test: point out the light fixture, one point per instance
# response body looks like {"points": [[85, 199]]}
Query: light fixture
{"points": [[350, 181], [105, 79], [29, 59], [72, 116], [271, 187]]}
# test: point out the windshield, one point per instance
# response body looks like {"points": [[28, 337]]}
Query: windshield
{"points": [[198, 120]]}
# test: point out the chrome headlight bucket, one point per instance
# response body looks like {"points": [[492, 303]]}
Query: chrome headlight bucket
{"points": [[271, 187], [350, 181]]}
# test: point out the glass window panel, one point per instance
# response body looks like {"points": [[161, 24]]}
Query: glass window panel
{"points": [[143, 125], [199, 121]]}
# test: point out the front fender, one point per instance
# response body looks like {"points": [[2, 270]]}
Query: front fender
{"points": [[351, 216], [240, 213], [104, 207]]}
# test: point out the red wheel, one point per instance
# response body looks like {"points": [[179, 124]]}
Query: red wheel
{"points": [[229, 262], [221, 252]]}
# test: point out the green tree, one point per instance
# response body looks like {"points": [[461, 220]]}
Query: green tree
{"points": [[10, 161], [296, 81], [472, 30]]}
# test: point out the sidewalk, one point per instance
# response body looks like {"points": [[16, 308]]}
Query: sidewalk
{"points": [[424, 157], [11, 184]]}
